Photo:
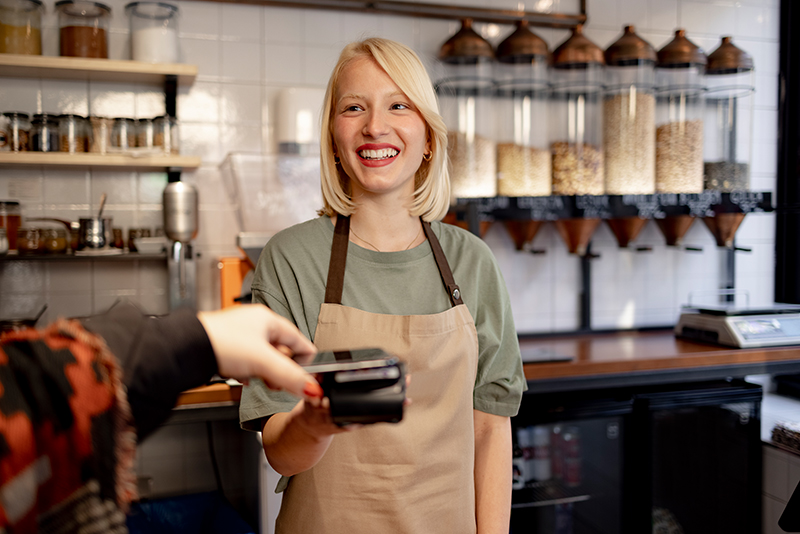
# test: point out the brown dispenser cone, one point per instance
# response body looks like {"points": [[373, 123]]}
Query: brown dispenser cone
{"points": [[451, 218], [674, 227], [723, 226], [522, 231], [626, 229], [577, 233]]}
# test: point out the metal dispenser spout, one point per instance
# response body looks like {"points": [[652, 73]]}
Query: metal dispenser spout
{"points": [[181, 225]]}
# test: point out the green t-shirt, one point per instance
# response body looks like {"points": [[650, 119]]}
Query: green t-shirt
{"points": [[292, 273]]}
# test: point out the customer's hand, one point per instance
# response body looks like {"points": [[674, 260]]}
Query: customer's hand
{"points": [[253, 341]]}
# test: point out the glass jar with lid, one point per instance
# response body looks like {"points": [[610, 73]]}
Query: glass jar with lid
{"points": [[575, 122], [10, 220], [83, 28], [123, 133], [166, 134], [145, 133], [72, 131], [679, 116], [44, 133], [523, 153], [629, 116], [21, 27], [465, 100], [154, 31], [17, 128], [730, 78]]}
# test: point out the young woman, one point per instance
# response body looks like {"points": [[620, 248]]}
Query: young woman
{"points": [[376, 269]]}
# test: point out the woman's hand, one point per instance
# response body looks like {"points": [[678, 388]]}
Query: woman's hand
{"points": [[253, 341]]}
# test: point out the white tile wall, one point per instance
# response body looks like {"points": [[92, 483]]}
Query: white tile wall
{"points": [[246, 54]]}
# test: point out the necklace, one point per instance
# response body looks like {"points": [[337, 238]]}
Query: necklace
{"points": [[376, 248]]}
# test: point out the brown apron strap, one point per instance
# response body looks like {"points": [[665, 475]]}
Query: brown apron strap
{"points": [[335, 283], [444, 268], [341, 237]]}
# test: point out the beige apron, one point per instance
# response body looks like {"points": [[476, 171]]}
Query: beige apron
{"points": [[416, 476]]}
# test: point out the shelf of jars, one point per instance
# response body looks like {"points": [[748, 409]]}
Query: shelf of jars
{"points": [[94, 69], [66, 159]]}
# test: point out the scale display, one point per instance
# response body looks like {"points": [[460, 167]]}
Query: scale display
{"points": [[743, 328]]}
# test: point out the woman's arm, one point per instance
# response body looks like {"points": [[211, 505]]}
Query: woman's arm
{"points": [[492, 472]]}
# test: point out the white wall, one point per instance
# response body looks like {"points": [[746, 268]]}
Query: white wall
{"points": [[246, 54]]}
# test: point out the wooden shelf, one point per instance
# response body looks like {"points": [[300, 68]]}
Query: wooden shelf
{"points": [[126, 257], [64, 159], [91, 69]]}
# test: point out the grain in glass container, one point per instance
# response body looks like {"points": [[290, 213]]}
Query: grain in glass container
{"points": [[100, 134], [167, 134], [154, 31], [72, 133], [21, 27], [728, 122], [523, 153], [465, 99], [17, 128], [83, 28], [145, 133], [679, 116], [44, 133], [575, 120], [629, 116], [123, 133]]}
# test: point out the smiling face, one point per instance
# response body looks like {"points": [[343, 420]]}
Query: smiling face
{"points": [[378, 134]]}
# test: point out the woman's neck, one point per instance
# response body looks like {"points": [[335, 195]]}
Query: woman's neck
{"points": [[385, 230]]}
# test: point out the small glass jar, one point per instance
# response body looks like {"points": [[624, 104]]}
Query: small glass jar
{"points": [[54, 240], [465, 96], [72, 133], [10, 220], [83, 28], [44, 133], [21, 27], [123, 134], [167, 134], [524, 164], [18, 129], [145, 133], [100, 134], [29, 240], [154, 32], [679, 116], [575, 121], [730, 79]]}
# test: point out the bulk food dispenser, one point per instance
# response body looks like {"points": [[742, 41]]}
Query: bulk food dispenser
{"points": [[679, 116], [576, 133], [729, 118], [465, 100], [679, 127], [629, 126]]}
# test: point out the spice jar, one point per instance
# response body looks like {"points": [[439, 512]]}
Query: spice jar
{"points": [[629, 116], [54, 240], [465, 99], [17, 130], [679, 124], [10, 221], [145, 133], [72, 133], [154, 31], [100, 136], [44, 133], [21, 27], [728, 118], [83, 28], [166, 134], [523, 155], [575, 117], [29, 240], [123, 133]]}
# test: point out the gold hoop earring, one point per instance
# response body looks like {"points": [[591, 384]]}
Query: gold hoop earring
{"points": [[427, 157]]}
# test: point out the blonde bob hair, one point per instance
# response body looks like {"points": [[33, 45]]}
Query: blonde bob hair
{"points": [[431, 182]]}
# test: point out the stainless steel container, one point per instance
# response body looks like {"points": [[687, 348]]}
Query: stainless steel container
{"points": [[181, 225]]}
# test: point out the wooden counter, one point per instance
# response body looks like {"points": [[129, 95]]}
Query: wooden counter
{"points": [[634, 358]]}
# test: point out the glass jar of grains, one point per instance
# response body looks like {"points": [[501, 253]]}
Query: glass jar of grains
{"points": [[44, 133], [629, 116], [72, 131], [17, 127], [167, 135], [123, 133], [21, 27], [99, 134], [575, 124], [465, 97], [145, 133], [83, 28], [523, 155], [154, 31], [679, 112]]}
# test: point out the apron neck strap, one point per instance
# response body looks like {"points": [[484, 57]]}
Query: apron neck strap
{"points": [[341, 238]]}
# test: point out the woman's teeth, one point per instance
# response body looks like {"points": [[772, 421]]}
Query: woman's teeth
{"points": [[378, 154]]}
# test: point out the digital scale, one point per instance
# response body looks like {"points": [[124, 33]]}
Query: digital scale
{"points": [[743, 328]]}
